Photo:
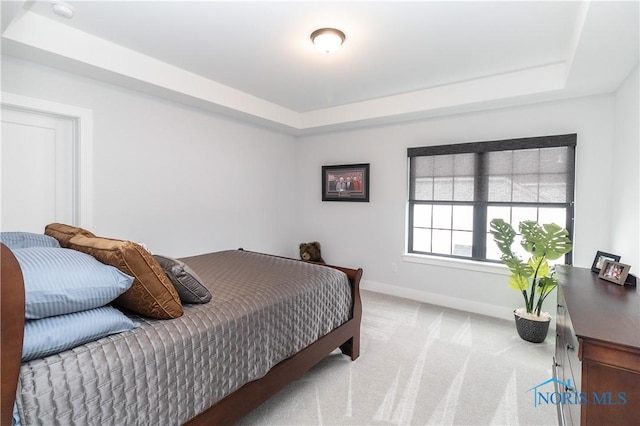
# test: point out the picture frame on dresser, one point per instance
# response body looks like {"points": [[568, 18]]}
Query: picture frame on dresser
{"points": [[601, 256], [615, 272]]}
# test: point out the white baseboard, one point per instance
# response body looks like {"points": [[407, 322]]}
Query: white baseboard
{"points": [[495, 311]]}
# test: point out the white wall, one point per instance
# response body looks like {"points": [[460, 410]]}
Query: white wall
{"points": [[185, 181], [625, 189], [372, 235], [181, 180]]}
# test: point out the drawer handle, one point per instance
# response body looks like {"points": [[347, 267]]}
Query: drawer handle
{"points": [[560, 305], [569, 347]]}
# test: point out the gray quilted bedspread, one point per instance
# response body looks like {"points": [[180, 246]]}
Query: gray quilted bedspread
{"points": [[263, 310]]}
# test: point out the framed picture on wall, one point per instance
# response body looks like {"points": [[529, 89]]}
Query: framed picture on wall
{"points": [[349, 182], [600, 258], [615, 272]]}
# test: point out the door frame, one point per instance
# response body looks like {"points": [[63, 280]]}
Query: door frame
{"points": [[82, 143]]}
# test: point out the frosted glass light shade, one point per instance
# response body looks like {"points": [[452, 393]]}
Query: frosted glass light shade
{"points": [[327, 40], [63, 9]]}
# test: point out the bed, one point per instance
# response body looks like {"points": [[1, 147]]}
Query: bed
{"points": [[269, 321]]}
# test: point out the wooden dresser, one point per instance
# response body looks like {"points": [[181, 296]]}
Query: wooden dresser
{"points": [[598, 349]]}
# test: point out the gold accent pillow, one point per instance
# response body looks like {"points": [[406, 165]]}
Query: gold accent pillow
{"points": [[151, 294], [63, 233]]}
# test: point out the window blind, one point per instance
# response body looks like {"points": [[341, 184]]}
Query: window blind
{"points": [[515, 177]]}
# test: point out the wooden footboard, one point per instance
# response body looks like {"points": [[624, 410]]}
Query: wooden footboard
{"points": [[227, 411], [241, 402]]}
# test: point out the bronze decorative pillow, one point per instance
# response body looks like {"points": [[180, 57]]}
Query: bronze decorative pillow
{"points": [[151, 294], [63, 233]]}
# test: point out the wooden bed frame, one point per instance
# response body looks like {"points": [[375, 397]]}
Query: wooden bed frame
{"points": [[225, 412]]}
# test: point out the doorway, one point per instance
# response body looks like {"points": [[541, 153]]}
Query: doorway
{"points": [[41, 155]]}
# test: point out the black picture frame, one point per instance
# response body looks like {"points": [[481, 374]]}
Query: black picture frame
{"points": [[614, 271], [600, 258], [347, 182]]}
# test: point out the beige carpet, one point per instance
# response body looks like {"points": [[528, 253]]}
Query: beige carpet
{"points": [[421, 365]]}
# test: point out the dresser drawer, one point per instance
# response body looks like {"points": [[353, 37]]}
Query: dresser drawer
{"points": [[571, 354], [567, 365], [563, 323]]}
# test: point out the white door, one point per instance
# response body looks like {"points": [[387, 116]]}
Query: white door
{"points": [[38, 163]]}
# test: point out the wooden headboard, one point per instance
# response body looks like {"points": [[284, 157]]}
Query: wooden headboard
{"points": [[12, 331]]}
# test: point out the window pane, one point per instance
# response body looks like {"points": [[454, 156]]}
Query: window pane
{"points": [[421, 166], [442, 216], [525, 188], [422, 240], [443, 189], [525, 161], [500, 188], [553, 160], [499, 162], [464, 164], [463, 218], [422, 216], [441, 242], [443, 165], [519, 214], [553, 215], [462, 243], [553, 188], [423, 189], [498, 212], [463, 188], [493, 252]]}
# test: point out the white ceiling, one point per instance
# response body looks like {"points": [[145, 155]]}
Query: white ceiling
{"points": [[400, 60]]}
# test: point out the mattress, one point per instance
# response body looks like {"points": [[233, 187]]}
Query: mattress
{"points": [[263, 310]]}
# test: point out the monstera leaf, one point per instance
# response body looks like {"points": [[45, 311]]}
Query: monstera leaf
{"points": [[503, 235], [549, 240], [539, 266], [517, 266], [518, 282], [546, 285]]}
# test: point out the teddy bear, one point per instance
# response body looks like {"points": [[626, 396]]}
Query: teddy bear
{"points": [[311, 252]]}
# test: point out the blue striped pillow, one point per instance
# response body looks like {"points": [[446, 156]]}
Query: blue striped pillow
{"points": [[60, 281], [18, 240], [52, 335]]}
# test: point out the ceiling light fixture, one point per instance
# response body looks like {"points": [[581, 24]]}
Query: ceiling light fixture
{"points": [[327, 40], [62, 9]]}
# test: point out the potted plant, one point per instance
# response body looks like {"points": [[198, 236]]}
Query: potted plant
{"points": [[533, 276]]}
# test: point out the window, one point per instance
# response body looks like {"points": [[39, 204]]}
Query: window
{"points": [[456, 190]]}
